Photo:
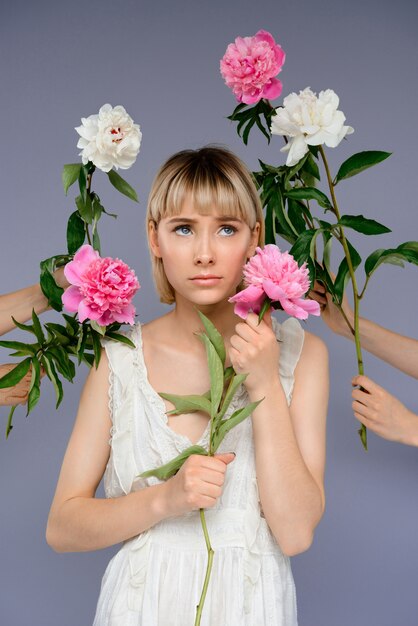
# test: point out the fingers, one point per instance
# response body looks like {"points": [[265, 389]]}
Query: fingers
{"points": [[319, 297], [204, 478], [364, 381], [362, 411], [226, 457]]}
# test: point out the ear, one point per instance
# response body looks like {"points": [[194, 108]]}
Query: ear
{"points": [[153, 238], [255, 233]]}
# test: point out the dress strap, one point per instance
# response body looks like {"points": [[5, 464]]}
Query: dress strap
{"points": [[121, 467], [291, 336]]}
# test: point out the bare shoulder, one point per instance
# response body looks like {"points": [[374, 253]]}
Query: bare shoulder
{"points": [[157, 330], [314, 350], [312, 367]]}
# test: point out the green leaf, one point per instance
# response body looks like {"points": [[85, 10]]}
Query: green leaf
{"points": [[49, 287], [235, 419], [296, 210], [34, 389], [96, 241], [85, 208], [53, 377], [247, 129], [229, 372], [343, 274], [15, 375], [310, 193], [82, 181], [75, 232], [304, 245], [410, 251], [97, 347], [120, 337], [88, 358], [72, 322], [60, 332], [99, 329], [310, 167], [327, 253], [9, 426], [215, 337], [216, 373], [187, 404], [236, 381], [286, 228], [394, 256], [27, 327], [269, 224], [19, 345], [37, 328], [363, 225], [69, 175], [360, 162], [172, 467], [62, 361], [121, 185]]}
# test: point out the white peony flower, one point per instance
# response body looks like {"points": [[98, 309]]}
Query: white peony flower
{"points": [[309, 120], [109, 139]]}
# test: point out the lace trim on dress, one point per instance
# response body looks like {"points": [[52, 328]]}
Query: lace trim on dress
{"points": [[121, 464]]}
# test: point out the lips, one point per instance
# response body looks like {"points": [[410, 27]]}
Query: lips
{"points": [[204, 277]]}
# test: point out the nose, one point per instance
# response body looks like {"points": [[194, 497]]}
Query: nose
{"points": [[204, 254]]}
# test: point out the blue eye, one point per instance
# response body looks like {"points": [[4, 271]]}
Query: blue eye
{"points": [[228, 230], [182, 230]]}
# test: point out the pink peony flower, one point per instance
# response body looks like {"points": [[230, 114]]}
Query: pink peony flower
{"points": [[249, 67], [101, 288], [276, 275]]}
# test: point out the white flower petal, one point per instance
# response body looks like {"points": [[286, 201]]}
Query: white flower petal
{"points": [[298, 149]]}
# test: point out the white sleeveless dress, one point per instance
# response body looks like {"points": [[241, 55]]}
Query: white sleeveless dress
{"points": [[156, 578]]}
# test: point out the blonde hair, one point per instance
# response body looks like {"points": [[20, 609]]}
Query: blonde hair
{"points": [[210, 177]]}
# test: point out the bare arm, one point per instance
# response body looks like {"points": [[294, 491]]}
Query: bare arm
{"points": [[20, 304], [395, 349], [78, 521], [289, 442]]}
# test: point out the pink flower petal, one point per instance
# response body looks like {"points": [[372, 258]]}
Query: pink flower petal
{"points": [[74, 270], [71, 298]]}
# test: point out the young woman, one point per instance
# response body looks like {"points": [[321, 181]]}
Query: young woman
{"points": [[263, 492], [376, 408]]}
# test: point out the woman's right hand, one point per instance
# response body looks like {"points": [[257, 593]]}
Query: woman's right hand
{"points": [[330, 313], [198, 484]]}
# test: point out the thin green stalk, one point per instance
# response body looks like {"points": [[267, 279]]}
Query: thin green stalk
{"points": [[363, 429], [211, 552], [88, 188], [364, 288]]}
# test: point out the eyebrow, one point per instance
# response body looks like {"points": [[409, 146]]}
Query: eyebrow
{"points": [[190, 220]]}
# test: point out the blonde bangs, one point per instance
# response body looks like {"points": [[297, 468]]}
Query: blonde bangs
{"points": [[215, 180]]}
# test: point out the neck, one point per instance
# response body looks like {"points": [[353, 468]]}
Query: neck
{"points": [[220, 314]]}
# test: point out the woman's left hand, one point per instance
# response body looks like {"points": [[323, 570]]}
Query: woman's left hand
{"points": [[255, 351]]}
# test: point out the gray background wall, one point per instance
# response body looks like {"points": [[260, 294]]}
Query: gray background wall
{"points": [[60, 61]]}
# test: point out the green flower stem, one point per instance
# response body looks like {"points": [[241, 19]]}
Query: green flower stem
{"points": [[88, 188], [363, 430], [341, 310], [211, 552], [364, 288]]}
